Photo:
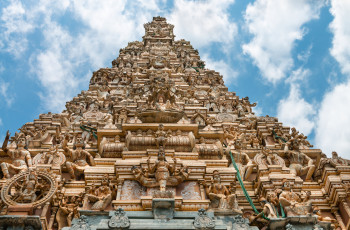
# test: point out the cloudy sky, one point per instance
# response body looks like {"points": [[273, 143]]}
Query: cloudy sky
{"points": [[292, 57]]}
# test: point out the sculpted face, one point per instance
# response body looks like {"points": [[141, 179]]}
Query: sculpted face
{"points": [[21, 142], [334, 154], [161, 155], [286, 186], [216, 177]]}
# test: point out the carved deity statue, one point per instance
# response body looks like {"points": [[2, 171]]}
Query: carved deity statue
{"points": [[101, 197], [299, 163], [27, 193], [21, 158], [337, 161], [267, 157], [79, 157], [292, 202], [47, 157], [122, 115], [268, 211], [161, 169], [161, 173], [161, 136], [67, 211], [242, 160], [220, 196]]}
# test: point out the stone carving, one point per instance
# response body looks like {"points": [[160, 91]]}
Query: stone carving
{"points": [[267, 157], [51, 157], [119, 220], [68, 210], [203, 221], [220, 197], [337, 161], [79, 157], [297, 161], [161, 173], [21, 158], [242, 160], [268, 212], [108, 148], [81, 224], [180, 141], [161, 137], [101, 197], [30, 187], [292, 202], [160, 97]]}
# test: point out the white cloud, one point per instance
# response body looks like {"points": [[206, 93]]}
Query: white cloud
{"points": [[110, 26], [275, 26], [332, 131], [107, 27], [14, 25], [258, 110], [7, 96], [304, 56], [341, 30], [298, 75], [203, 22], [220, 66], [296, 112]]}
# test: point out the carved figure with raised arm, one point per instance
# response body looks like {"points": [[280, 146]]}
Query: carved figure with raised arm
{"points": [[79, 156], [20, 157]]}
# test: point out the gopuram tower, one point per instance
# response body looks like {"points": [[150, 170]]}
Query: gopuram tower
{"points": [[158, 142]]}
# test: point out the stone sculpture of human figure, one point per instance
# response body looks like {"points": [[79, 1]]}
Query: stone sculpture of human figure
{"points": [[299, 163], [161, 136], [67, 211], [161, 169], [268, 209], [243, 162], [47, 157], [79, 156], [21, 158], [220, 195], [28, 191], [336, 160], [160, 105], [288, 197], [102, 196]]}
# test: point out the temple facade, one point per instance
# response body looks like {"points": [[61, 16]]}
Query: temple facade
{"points": [[158, 142]]}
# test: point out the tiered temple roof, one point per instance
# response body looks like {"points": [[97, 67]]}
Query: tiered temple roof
{"points": [[158, 141]]}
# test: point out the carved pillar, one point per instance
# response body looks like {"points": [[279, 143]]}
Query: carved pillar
{"points": [[339, 219], [119, 188], [52, 217], [43, 216]]}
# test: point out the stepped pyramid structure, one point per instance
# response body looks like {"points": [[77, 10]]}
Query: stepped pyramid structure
{"points": [[158, 142]]}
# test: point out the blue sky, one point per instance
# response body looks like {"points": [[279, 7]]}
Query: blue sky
{"points": [[292, 57]]}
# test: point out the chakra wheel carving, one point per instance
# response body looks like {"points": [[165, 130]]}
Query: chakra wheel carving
{"points": [[29, 188]]}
